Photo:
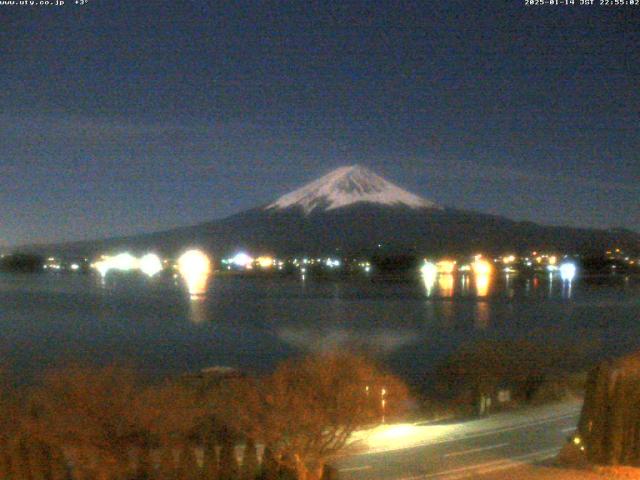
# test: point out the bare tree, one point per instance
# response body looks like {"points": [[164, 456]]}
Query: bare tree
{"points": [[188, 468], [229, 469], [210, 462], [108, 425], [102, 418], [307, 410], [269, 466], [93, 415], [249, 461]]}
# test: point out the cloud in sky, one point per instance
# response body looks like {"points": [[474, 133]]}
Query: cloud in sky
{"points": [[190, 172]]}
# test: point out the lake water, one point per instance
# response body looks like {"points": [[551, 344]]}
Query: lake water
{"points": [[253, 322]]}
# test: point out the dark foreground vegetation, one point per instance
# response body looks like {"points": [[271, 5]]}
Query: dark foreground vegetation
{"points": [[609, 428], [107, 423], [485, 376], [81, 423], [22, 263]]}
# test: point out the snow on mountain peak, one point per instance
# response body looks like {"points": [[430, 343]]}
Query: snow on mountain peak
{"points": [[346, 186]]}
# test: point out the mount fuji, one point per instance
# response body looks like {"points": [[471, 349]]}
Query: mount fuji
{"points": [[347, 186], [351, 210]]}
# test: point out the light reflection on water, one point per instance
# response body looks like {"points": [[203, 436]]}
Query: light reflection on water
{"points": [[446, 284], [465, 282], [253, 322], [318, 339], [567, 289], [483, 282], [198, 311], [429, 281], [508, 285], [482, 315]]}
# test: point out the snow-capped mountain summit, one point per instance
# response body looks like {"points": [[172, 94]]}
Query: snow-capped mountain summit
{"points": [[346, 186], [355, 212]]}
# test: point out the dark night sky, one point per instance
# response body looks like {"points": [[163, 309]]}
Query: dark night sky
{"points": [[128, 116]]}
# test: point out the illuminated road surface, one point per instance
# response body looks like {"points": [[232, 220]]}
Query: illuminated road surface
{"points": [[476, 448]]}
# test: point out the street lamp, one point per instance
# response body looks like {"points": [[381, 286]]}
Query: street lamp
{"points": [[383, 401]]}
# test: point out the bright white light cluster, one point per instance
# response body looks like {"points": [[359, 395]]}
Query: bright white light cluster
{"points": [[265, 262], [195, 268], [150, 264], [481, 266], [333, 262], [429, 273], [568, 271], [429, 270], [443, 272], [241, 260]]}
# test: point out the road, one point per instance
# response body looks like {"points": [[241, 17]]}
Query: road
{"points": [[460, 450]]}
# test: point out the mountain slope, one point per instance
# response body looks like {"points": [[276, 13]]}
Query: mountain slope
{"points": [[354, 211]]}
